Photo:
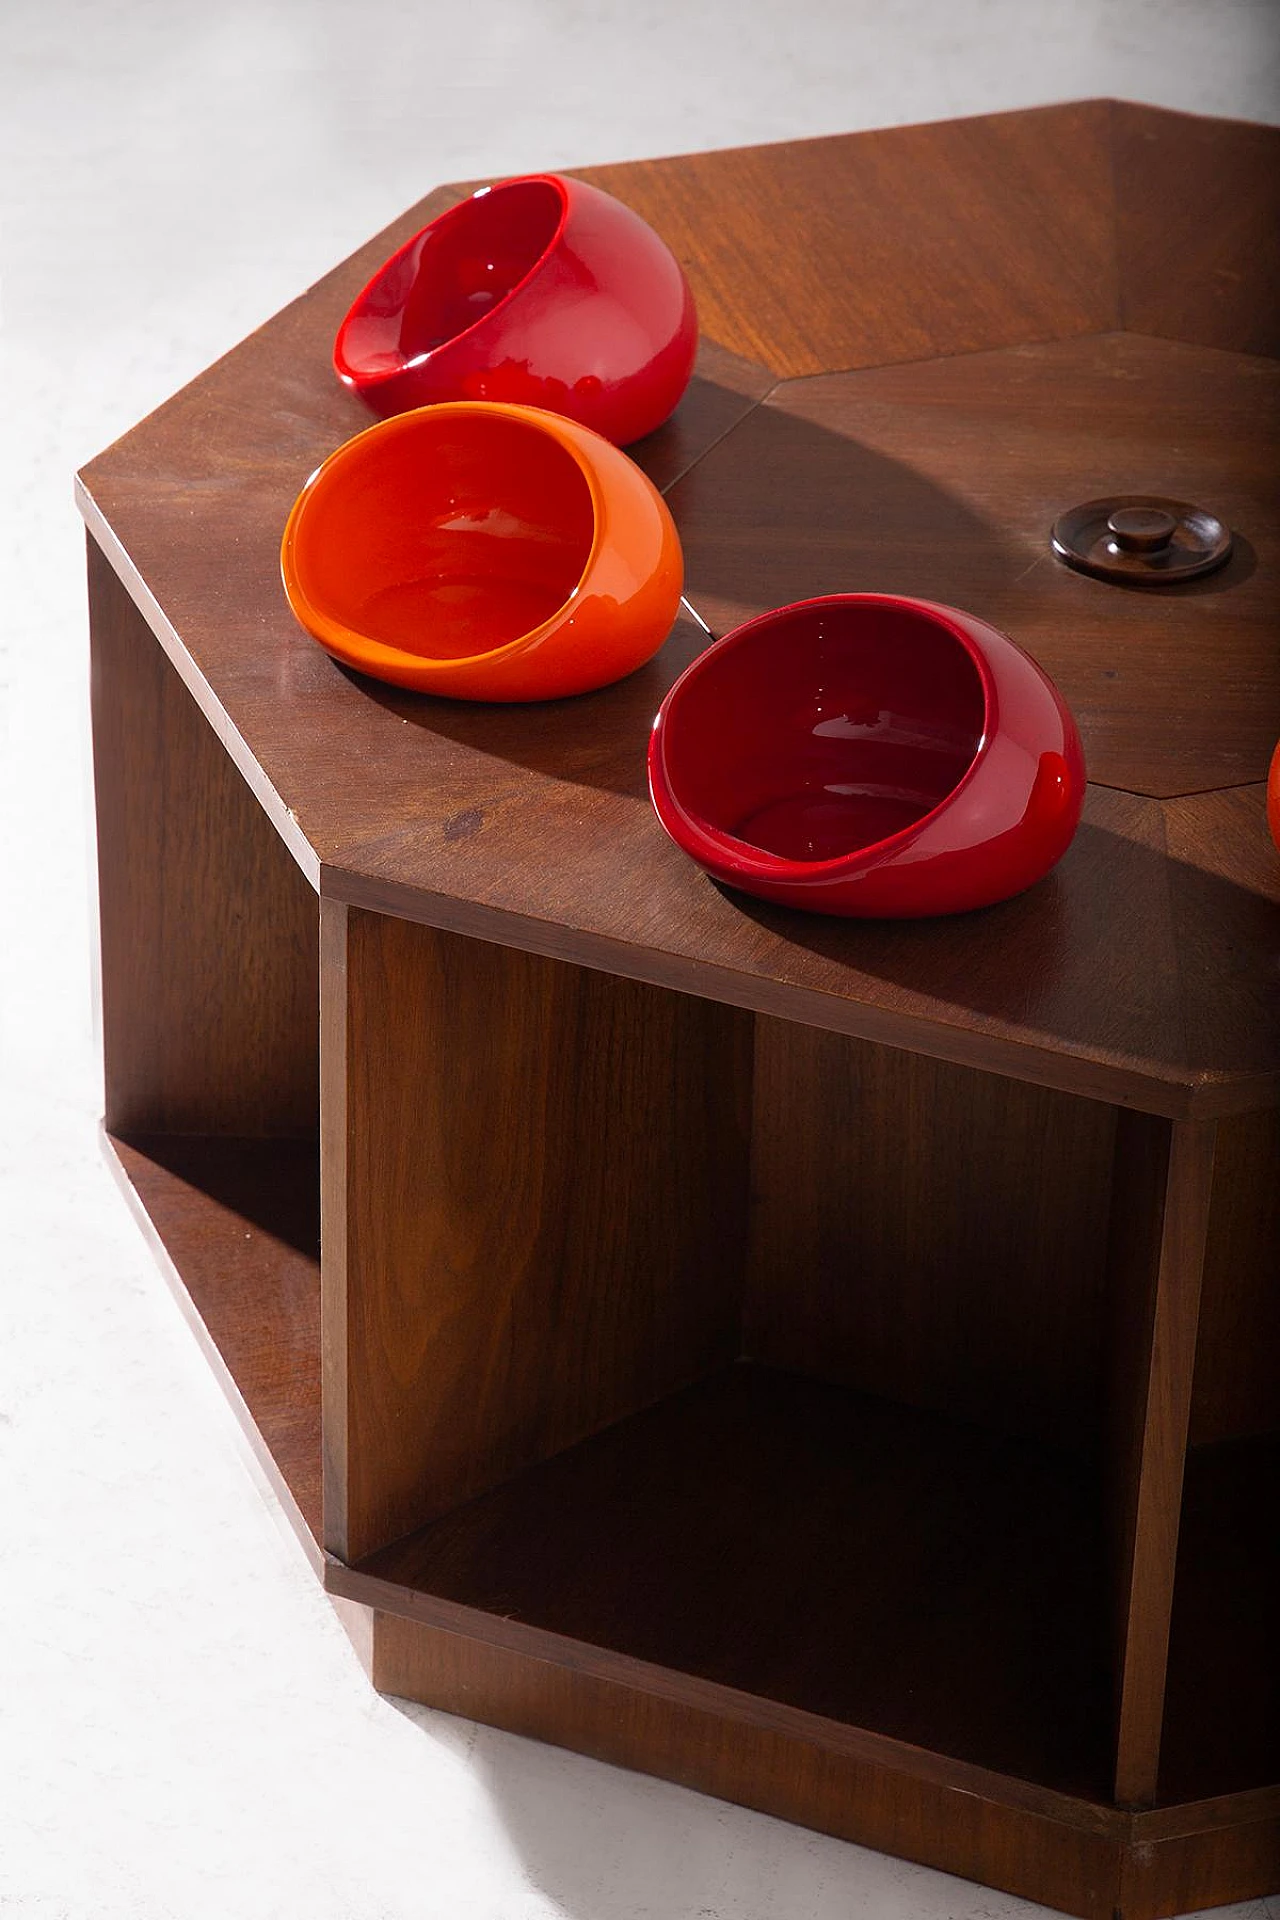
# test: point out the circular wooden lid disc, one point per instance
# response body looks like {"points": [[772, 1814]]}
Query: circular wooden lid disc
{"points": [[1141, 539]]}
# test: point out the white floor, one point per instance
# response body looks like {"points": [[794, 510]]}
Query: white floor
{"points": [[184, 1732]]}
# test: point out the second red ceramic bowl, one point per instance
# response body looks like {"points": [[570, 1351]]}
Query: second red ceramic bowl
{"points": [[540, 291], [868, 755]]}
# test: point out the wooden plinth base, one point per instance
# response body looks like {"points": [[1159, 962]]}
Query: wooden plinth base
{"points": [[412, 1612]]}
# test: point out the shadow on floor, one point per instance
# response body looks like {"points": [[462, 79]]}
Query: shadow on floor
{"points": [[604, 1844]]}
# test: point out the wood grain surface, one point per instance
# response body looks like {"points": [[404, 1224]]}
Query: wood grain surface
{"points": [[961, 1824], [943, 480], [1197, 212], [918, 241], [1160, 1210], [1236, 1393], [929, 1234], [545, 1197], [882, 1568], [1210, 1868], [1100, 1864], [238, 1223], [209, 972], [1072, 989]]}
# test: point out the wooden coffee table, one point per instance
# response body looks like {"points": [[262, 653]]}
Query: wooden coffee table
{"points": [[831, 1365]]}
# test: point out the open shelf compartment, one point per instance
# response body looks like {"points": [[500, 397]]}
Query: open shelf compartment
{"points": [[865, 1562], [713, 1356]]}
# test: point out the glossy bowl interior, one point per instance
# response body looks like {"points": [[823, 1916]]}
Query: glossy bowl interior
{"points": [[483, 552], [817, 737], [868, 755], [450, 277], [541, 292], [448, 541]]}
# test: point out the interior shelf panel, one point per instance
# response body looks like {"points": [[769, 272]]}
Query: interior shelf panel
{"points": [[879, 1566], [240, 1220]]}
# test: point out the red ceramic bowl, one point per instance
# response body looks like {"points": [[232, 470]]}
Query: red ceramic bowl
{"points": [[1273, 796], [484, 553], [869, 755], [540, 291]]}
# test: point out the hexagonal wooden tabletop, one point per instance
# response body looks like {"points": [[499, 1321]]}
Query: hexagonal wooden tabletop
{"points": [[919, 346]]}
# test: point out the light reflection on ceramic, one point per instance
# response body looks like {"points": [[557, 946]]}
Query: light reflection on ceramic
{"points": [[483, 552], [865, 754], [540, 291]]}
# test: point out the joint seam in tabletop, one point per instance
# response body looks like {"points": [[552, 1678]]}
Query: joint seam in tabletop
{"points": [[942, 354], [732, 427], [1014, 346]]}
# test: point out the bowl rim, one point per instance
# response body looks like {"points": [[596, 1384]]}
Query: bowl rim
{"points": [[367, 380], [715, 845], [357, 648]]}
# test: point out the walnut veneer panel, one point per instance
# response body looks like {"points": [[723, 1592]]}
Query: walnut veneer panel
{"points": [[239, 1221], [807, 1545], [1159, 1224], [964, 1274], [917, 241], [741, 1751], [1197, 215], [534, 1213], [1237, 1378], [209, 956], [1084, 1860]]}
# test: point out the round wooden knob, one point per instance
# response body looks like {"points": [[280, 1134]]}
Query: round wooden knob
{"points": [[1141, 529], [1140, 539]]}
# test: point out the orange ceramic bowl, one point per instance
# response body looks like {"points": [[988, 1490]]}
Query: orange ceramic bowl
{"points": [[1273, 796], [483, 552]]}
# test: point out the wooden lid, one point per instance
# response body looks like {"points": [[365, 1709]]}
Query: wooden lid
{"points": [[1141, 539]]}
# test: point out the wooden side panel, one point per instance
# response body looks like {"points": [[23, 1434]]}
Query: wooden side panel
{"points": [[837, 1788], [209, 978], [928, 1233], [544, 1194], [1198, 205], [1237, 1379], [1160, 1209]]}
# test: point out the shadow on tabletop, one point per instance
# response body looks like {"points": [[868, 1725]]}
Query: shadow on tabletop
{"points": [[1171, 962], [781, 509], [821, 497], [273, 1183]]}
